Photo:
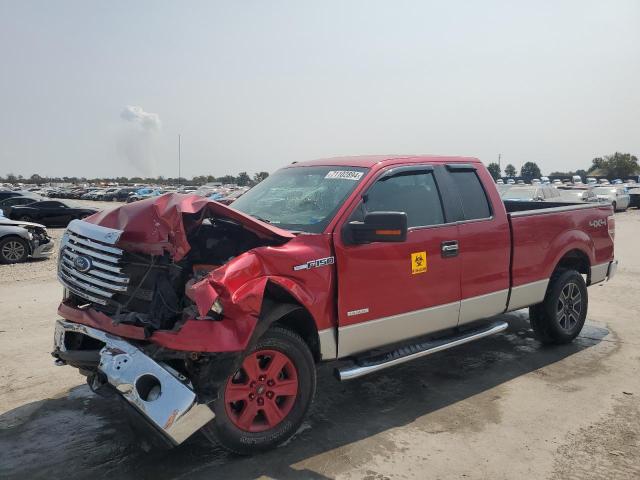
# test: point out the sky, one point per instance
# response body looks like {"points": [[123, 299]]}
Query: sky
{"points": [[92, 88]]}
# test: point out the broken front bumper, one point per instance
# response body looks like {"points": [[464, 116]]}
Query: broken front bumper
{"points": [[44, 250], [159, 393]]}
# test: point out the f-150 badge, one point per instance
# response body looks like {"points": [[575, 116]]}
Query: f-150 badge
{"points": [[320, 262]]}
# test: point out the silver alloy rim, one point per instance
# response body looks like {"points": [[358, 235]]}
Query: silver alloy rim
{"points": [[569, 306], [13, 251]]}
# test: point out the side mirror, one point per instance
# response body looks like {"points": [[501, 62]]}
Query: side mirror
{"points": [[377, 227]]}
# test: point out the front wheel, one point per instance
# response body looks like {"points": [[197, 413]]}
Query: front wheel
{"points": [[561, 316], [266, 400], [13, 250]]}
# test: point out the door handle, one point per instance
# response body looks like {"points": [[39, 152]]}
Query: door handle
{"points": [[449, 248]]}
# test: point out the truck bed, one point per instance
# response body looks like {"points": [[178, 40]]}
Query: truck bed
{"points": [[543, 233]]}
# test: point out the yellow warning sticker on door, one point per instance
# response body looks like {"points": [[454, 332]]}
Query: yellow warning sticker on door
{"points": [[418, 262]]}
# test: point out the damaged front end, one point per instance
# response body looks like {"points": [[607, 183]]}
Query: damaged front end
{"points": [[161, 298], [161, 394]]}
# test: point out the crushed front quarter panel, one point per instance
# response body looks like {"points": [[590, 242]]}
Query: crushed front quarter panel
{"points": [[161, 224]]}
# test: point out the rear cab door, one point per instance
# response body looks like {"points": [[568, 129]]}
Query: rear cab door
{"points": [[484, 241], [389, 292]]}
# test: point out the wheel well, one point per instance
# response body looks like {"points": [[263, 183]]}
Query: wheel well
{"points": [[576, 260], [298, 320]]}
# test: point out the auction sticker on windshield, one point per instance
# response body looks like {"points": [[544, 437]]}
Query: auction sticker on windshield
{"points": [[344, 175]]}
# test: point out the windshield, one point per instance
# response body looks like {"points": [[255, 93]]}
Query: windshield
{"points": [[604, 190], [300, 198]]}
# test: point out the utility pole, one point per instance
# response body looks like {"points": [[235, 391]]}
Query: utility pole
{"points": [[499, 159], [179, 158]]}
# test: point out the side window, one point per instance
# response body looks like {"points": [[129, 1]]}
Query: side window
{"points": [[416, 194], [474, 200]]}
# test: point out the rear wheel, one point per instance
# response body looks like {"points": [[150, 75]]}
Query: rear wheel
{"points": [[615, 206], [13, 250], [561, 316], [266, 400]]}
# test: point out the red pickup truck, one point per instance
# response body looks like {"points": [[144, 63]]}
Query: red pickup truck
{"points": [[207, 317]]}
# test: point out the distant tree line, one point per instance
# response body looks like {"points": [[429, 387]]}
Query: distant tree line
{"points": [[242, 179], [618, 165]]}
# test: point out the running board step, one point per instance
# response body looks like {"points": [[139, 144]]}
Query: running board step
{"points": [[417, 350]]}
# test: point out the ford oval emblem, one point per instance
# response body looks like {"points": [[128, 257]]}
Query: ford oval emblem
{"points": [[82, 263]]}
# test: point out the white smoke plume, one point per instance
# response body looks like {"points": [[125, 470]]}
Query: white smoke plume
{"points": [[137, 139], [135, 114]]}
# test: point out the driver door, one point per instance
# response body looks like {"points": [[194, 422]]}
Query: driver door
{"points": [[389, 292]]}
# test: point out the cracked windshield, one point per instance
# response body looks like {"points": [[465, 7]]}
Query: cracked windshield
{"points": [[300, 198]]}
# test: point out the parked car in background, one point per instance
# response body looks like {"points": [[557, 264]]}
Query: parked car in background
{"points": [[577, 194], [544, 180], [21, 240], [591, 181], [499, 182], [557, 182], [511, 181], [530, 193], [634, 197], [616, 195], [8, 203], [101, 194], [119, 194], [143, 193], [232, 197], [9, 193], [53, 213]]}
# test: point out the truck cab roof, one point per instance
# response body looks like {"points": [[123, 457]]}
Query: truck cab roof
{"points": [[369, 161]]}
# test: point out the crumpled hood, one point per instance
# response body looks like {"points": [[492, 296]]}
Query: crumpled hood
{"points": [[19, 223], [160, 224]]}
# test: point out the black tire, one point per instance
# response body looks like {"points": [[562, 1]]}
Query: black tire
{"points": [[615, 206], [561, 316], [13, 250], [223, 430]]}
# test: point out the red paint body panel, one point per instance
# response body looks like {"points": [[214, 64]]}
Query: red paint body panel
{"points": [[378, 276], [485, 247], [540, 240], [375, 276]]}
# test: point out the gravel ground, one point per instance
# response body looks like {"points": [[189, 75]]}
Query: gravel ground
{"points": [[501, 408]]}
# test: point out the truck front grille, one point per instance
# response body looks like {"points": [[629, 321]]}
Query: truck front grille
{"points": [[90, 266]]}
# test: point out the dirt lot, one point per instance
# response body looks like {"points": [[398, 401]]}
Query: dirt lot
{"points": [[500, 408]]}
